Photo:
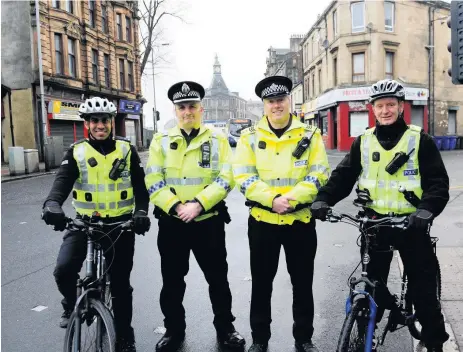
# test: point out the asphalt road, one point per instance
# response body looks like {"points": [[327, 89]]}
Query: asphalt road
{"points": [[29, 250]]}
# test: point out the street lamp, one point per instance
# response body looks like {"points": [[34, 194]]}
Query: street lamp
{"points": [[155, 116]]}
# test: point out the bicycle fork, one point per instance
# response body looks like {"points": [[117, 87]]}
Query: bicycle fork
{"points": [[373, 308]]}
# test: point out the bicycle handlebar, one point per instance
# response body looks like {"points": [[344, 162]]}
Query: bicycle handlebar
{"points": [[389, 221], [81, 224]]}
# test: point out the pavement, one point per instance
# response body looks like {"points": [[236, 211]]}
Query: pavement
{"points": [[30, 302]]}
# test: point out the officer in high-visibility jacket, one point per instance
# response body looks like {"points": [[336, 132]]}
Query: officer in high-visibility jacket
{"points": [[279, 166], [387, 157], [85, 170], [188, 176]]}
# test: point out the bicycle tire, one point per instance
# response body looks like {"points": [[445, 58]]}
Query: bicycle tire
{"points": [[99, 311], [358, 315], [415, 327]]}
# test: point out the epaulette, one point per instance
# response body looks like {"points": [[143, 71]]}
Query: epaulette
{"points": [[249, 130], [120, 138], [369, 131], [415, 128], [78, 142]]}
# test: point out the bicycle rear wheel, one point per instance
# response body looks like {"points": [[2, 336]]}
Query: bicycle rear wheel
{"points": [[354, 330], [415, 327], [97, 332]]}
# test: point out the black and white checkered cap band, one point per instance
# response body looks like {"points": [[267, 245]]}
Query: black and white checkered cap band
{"points": [[274, 89], [190, 96]]}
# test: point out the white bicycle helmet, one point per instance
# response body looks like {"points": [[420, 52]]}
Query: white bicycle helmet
{"points": [[387, 88], [97, 105]]}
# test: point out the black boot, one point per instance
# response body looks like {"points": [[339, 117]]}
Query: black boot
{"points": [[258, 347], [231, 339], [435, 347], [306, 347], [170, 342], [63, 323]]}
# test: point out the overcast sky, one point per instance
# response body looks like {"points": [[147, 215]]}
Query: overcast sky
{"points": [[239, 31]]}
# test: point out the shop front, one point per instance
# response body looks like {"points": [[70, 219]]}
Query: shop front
{"points": [[128, 121], [344, 114], [63, 120]]}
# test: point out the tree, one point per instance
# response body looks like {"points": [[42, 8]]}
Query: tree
{"points": [[151, 14]]}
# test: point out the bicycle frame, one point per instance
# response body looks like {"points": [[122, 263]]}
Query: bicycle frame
{"points": [[354, 294], [94, 266]]}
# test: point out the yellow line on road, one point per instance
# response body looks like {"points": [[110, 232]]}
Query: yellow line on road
{"points": [[456, 187]]}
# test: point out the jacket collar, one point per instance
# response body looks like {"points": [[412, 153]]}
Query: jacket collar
{"points": [[263, 124]]}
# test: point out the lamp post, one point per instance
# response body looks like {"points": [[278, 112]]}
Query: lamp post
{"points": [[155, 121]]}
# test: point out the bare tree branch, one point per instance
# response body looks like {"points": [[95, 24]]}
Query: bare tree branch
{"points": [[151, 18]]}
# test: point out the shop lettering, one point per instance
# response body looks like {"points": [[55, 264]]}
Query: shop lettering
{"points": [[356, 92], [70, 105], [357, 105]]}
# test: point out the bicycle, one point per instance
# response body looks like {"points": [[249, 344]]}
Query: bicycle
{"points": [[361, 307], [93, 305]]}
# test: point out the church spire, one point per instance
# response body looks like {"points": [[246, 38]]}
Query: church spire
{"points": [[217, 66]]}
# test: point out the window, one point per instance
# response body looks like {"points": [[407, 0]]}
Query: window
{"points": [[58, 54], [91, 6], [335, 23], [119, 26], [72, 57], [128, 29], [106, 70], [335, 71], [452, 129], [389, 65], [104, 19], [389, 16], [130, 74], [358, 16], [358, 67], [320, 80], [313, 84], [121, 74], [358, 122], [55, 4], [95, 65], [70, 6], [323, 125]]}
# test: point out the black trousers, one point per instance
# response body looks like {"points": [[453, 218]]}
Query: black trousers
{"points": [[299, 241], [206, 239], [415, 249], [69, 262]]}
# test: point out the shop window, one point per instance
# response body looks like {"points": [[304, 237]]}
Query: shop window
{"points": [[358, 123], [324, 125]]}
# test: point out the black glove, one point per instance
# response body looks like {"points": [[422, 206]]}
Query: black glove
{"points": [[320, 209], [141, 222], [420, 219], [53, 214]]}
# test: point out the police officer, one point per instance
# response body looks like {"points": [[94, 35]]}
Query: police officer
{"points": [[188, 176], [384, 158], [85, 171], [279, 165]]}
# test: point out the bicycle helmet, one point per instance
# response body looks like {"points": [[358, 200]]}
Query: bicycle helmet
{"points": [[387, 88], [97, 105]]}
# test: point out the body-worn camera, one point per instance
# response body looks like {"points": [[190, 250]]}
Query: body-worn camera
{"points": [[398, 161], [206, 154]]}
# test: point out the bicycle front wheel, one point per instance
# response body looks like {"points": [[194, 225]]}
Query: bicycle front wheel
{"points": [[354, 330], [91, 328]]}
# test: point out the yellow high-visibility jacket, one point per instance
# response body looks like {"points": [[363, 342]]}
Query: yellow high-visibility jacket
{"points": [[264, 168], [176, 172]]}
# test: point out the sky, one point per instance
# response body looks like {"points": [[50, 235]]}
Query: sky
{"points": [[238, 31]]}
